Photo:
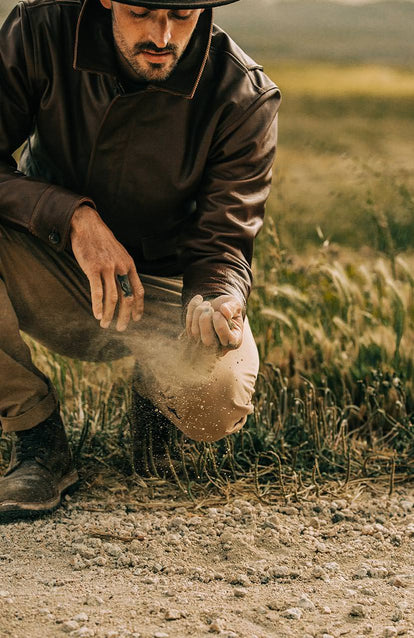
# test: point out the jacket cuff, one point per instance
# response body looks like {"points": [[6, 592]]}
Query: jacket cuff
{"points": [[52, 215]]}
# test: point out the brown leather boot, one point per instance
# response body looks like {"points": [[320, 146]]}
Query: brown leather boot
{"points": [[40, 471], [151, 432]]}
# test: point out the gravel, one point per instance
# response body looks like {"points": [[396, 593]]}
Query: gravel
{"points": [[105, 568]]}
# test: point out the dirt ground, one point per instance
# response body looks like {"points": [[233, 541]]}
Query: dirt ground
{"points": [[108, 565]]}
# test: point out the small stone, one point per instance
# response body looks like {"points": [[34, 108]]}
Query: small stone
{"points": [[289, 511], [70, 625], [389, 632], [112, 549], [82, 617], [240, 592], [304, 602], [161, 634], [240, 579], [397, 615], [326, 610], [173, 614], [357, 611], [100, 561], [337, 517], [4, 593], [397, 581], [378, 572], [318, 572], [293, 613], [217, 626], [360, 573], [331, 567], [93, 600]]}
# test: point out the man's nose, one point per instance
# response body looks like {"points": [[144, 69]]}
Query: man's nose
{"points": [[160, 31]]}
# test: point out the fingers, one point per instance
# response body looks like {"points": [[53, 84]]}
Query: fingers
{"points": [[131, 306], [107, 294], [227, 332], [138, 295], [95, 283], [110, 300], [202, 324], [215, 323], [195, 301]]}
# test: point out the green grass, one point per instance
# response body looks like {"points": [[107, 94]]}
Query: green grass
{"points": [[332, 308]]}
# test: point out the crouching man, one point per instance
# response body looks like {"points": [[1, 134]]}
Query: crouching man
{"points": [[148, 139]]}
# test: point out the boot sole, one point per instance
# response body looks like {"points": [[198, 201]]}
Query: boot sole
{"points": [[10, 510]]}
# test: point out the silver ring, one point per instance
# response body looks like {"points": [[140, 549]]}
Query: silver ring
{"points": [[125, 285]]}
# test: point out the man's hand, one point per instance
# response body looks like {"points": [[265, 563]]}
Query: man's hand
{"points": [[215, 322], [102, 258]]}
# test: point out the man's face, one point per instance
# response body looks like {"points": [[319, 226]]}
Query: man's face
{"points": [[151, 41]]}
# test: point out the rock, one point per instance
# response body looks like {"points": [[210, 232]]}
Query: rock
{"points": [[112, 550], [304, 602], [360, 573], [240, 592], [93, 600], [82, 617], [378, 572], [357, 611], [397, 615], [389, 632], [161, 634], [240, 579], [293, 613], [318, 572], [288, 511], [398, 581], [173, 614], [217, 626], [70, 625]]}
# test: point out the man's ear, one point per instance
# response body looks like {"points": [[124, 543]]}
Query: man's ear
{"points": [[106, 3]]}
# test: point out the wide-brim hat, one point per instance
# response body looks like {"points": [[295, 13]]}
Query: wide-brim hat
{"points": [[176, 4]]}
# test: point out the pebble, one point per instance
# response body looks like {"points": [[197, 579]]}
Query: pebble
{"points": [[82, 617], [173, 614], [240, 592], [357, 611], [161, 634], [70, 625], [389, 632], [398, 581], [217, 626], [304, 602], [293, 613]]}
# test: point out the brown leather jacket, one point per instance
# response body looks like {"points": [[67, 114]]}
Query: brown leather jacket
{"points": [[179, 171]]}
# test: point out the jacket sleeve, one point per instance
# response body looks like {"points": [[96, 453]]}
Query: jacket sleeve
{"points": [[218, 245], [41, 208]]}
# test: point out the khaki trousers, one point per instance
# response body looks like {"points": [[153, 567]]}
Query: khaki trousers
{"points": [[46, 295]]}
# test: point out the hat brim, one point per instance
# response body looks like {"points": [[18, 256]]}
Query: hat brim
{"points": [[176, 4]]}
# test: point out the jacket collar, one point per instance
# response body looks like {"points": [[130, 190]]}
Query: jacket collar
{"points": [[94, 50]]}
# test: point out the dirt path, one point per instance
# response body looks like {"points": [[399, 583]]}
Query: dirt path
{"points": [[100, 567]]}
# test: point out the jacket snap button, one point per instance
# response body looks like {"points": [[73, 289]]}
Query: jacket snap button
{"points": [[54, 237]]}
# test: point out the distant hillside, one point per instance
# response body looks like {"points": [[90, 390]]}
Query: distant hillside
{"points": [[317, 29], [321, 30]]}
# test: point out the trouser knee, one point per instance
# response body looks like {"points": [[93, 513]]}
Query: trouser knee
{"points": [[213, 411]]}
